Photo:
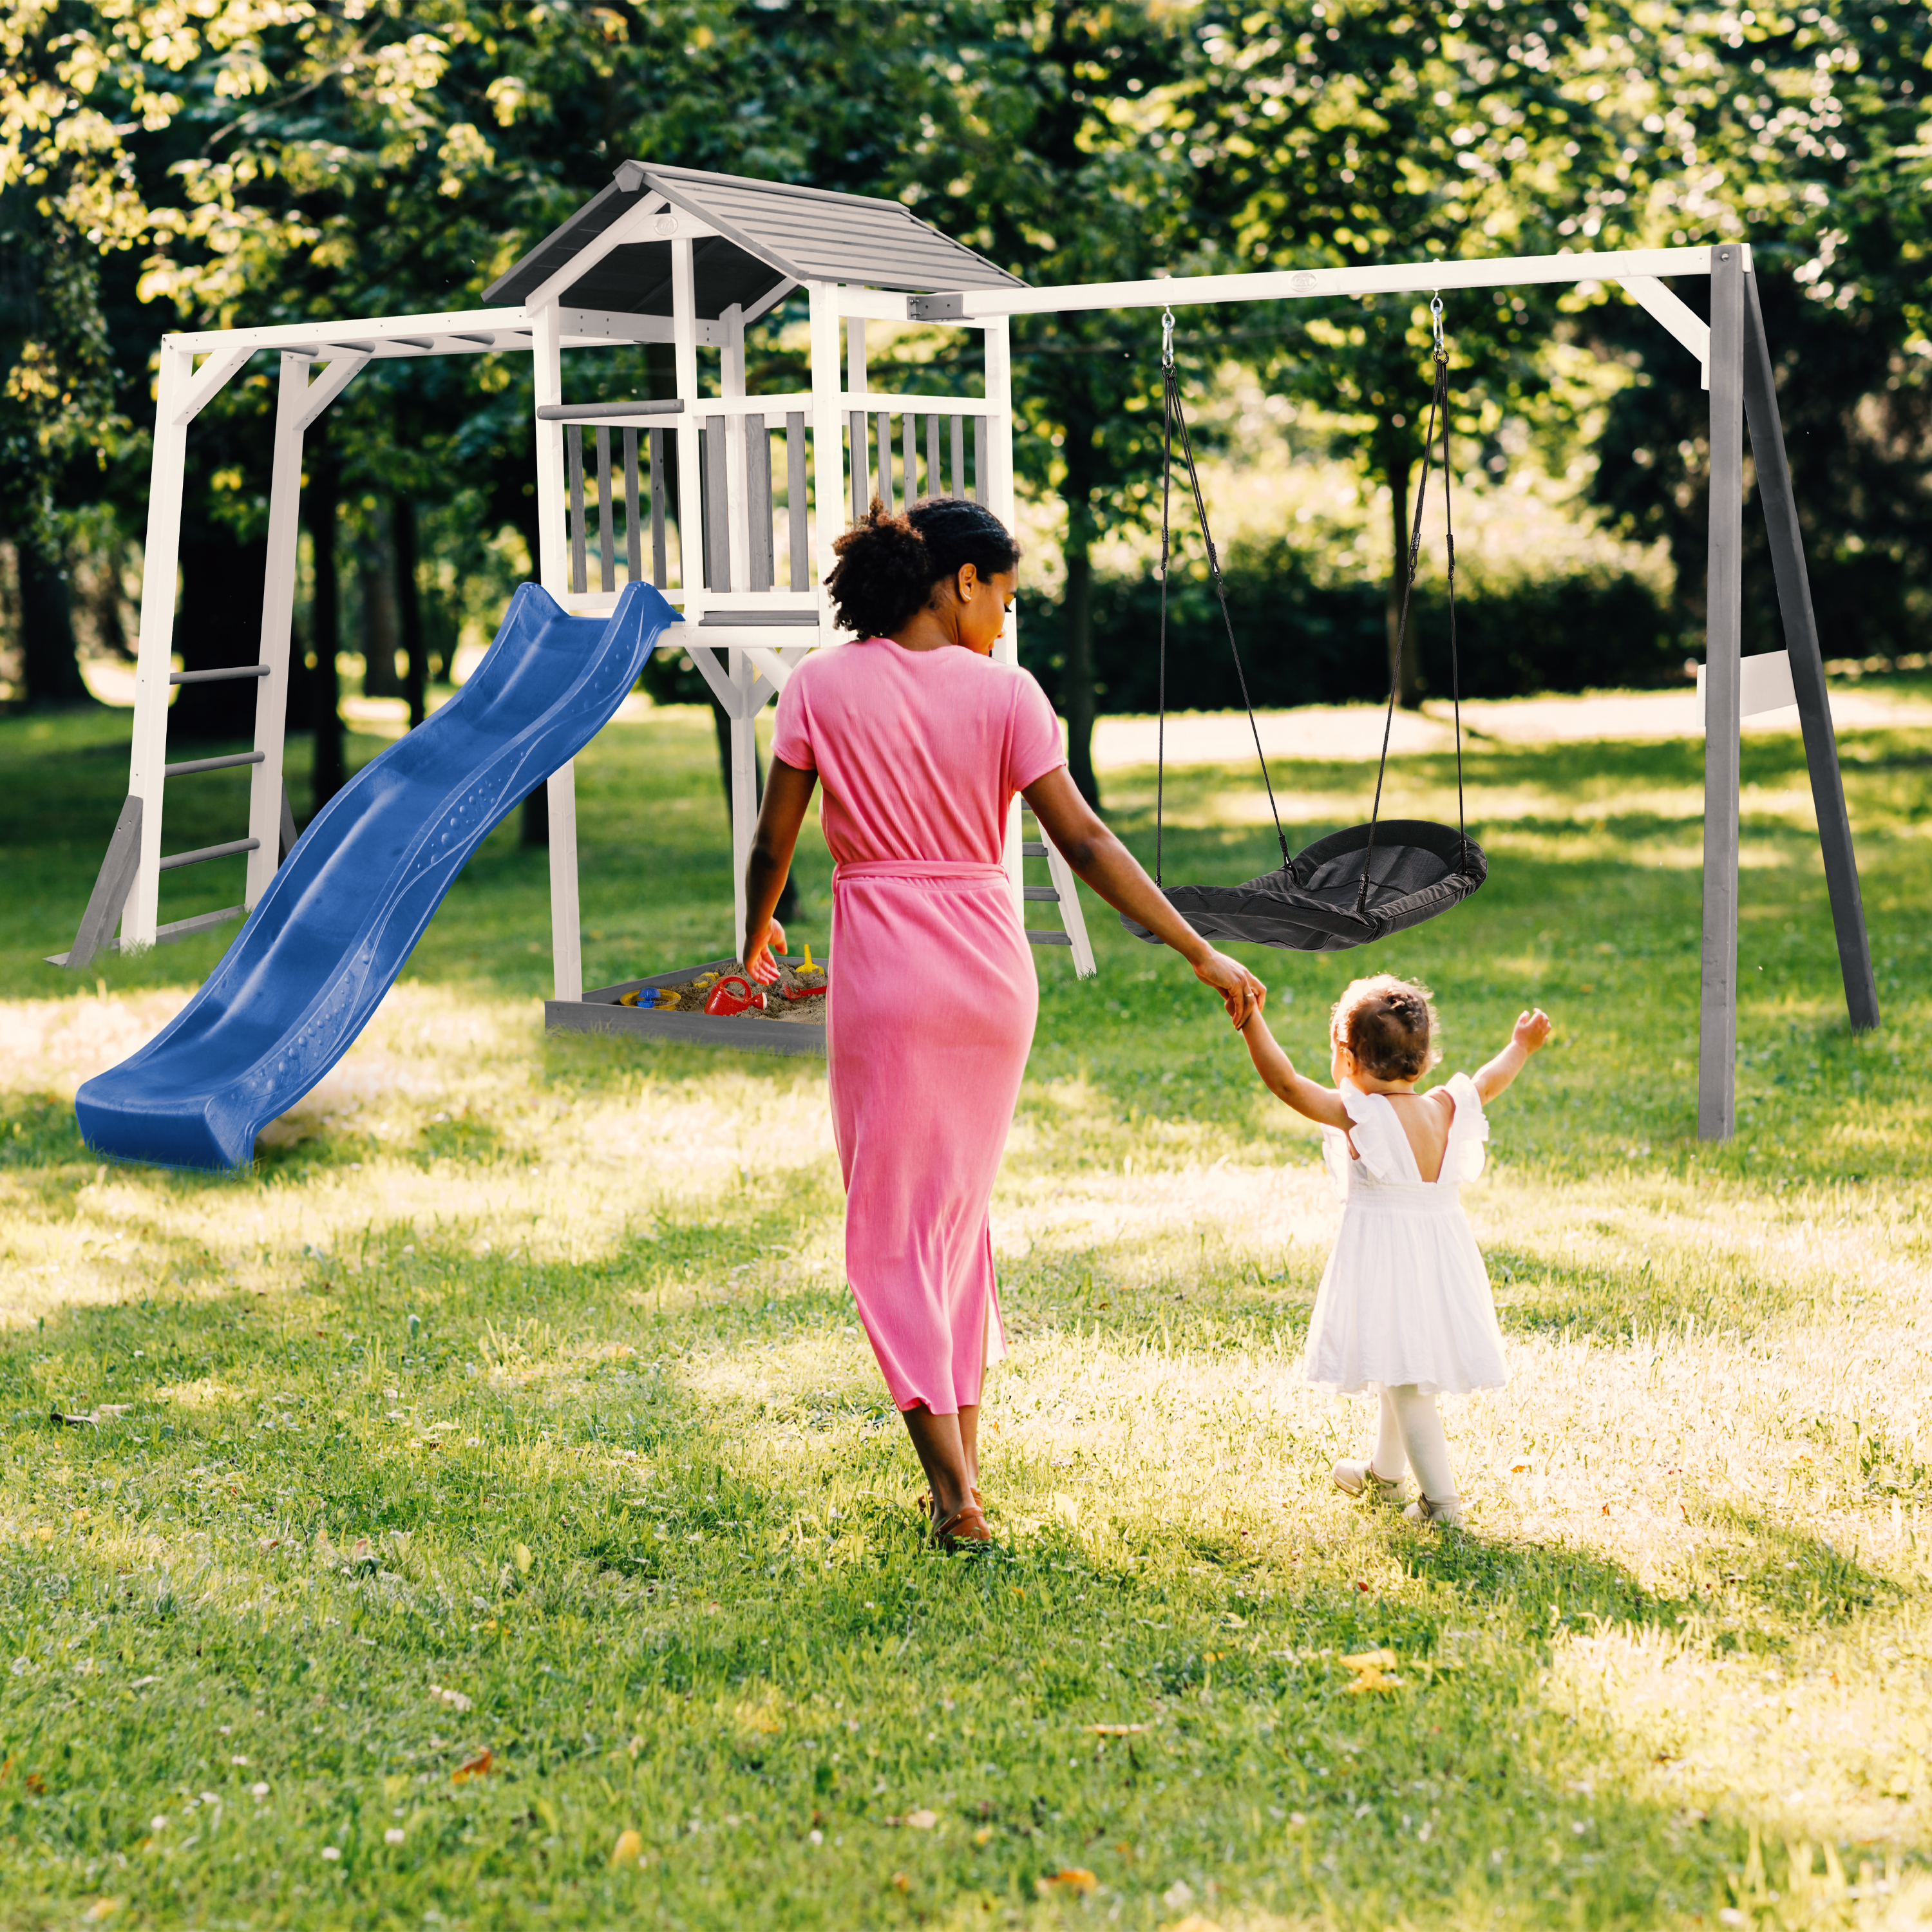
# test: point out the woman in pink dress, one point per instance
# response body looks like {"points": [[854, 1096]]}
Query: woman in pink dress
{"points": [[922, 740]]}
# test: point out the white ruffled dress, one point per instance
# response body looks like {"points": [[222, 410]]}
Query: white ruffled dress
{"points": [[1406, 1298]]}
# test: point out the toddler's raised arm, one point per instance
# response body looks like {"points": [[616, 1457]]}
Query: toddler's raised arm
{"points": [[1531, 1030], [1278, 1074]]}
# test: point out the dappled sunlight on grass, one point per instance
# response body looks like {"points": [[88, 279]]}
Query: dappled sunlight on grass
{"points": [[513, 1403]]}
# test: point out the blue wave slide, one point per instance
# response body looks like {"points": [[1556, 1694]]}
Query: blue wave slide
{"points": [[330, 934]]}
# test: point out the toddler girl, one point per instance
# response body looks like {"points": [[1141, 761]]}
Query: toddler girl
{"points": [[1404, 1303]]}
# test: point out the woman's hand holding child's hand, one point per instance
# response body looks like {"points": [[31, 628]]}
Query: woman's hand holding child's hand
{"points": [[1241, 993]]}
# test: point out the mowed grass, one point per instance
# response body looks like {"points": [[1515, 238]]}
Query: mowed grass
{"points": [[494, 1518]]}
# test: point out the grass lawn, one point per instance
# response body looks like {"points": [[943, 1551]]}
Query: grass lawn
{"points": [[495, 1518]]}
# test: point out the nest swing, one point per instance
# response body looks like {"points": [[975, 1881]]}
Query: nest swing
{"points": [[1369, 881]]}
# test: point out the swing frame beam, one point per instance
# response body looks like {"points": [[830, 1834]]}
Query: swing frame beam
{"points": [[1737, 370]]}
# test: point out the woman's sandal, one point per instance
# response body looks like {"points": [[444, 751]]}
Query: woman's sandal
{"points": [[966, 1525], [1447, 1510]]}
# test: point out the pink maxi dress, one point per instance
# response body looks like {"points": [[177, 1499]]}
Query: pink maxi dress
{"points": [[933, 995]]}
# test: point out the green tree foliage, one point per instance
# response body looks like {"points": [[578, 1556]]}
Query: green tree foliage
{"points": [[1805, 132]]}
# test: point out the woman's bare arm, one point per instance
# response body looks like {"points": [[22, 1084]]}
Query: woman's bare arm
{"points": [[1099, 858], [787, 792], [1322, 1104]]}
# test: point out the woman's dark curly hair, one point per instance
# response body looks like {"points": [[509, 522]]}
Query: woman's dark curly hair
{"points": [[887, 565]]}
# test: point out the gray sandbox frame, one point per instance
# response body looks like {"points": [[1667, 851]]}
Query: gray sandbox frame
{"points": [[599, 1011]]}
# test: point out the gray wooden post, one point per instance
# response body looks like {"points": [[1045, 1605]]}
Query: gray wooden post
{"points": [[1807, 667], [1718, 999]]}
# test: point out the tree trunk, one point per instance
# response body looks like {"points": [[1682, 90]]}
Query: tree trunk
{"points": [[408, 609], [1406, 675], [326, 627], [50, 669], [533, 830], [377, 570]]}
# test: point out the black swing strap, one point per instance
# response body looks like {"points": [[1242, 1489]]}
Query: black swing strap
{"points": [[1438, 411], [1175, 416]]}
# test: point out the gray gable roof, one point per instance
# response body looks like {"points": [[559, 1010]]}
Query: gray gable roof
{"points": [[769, 233]]}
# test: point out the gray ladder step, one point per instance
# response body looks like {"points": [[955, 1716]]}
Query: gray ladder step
{"points": [[1047, 892], [1054, 938], [1032, 848]]}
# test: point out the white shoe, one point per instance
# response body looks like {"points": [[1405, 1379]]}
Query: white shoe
{"points": [[1448, 1510], [1353, 1479]]}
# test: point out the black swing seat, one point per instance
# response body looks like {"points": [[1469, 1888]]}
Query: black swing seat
{"points": [[1416, 870]]}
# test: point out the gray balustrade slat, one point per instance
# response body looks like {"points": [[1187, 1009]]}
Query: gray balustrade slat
{"points": [[573, 465], [660, 564], [607, 532], [935, 481], [717, 523], [862, 483], [909, 443], [759, 549], [801, 564], [979, 490], [958, 456], [633, 536], [886, 460]]}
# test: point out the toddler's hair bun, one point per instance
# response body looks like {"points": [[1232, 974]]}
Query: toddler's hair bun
{"points": [[1389, 1025], [888, 563]]}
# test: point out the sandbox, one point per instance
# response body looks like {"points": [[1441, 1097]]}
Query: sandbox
{"points": [[783, 1026]]}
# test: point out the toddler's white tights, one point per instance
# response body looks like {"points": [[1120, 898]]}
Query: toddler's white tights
{"points": [[1411, 1437]]}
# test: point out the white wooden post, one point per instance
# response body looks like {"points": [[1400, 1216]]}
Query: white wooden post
{"points": [[856, 383], [154, 664], [690, 489], [553, 567], [828, 435], [737, 492], [997, 492], [278, 605], [744, 786]]}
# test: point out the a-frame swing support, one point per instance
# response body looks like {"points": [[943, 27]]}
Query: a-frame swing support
{"points": [[1738, 372]]}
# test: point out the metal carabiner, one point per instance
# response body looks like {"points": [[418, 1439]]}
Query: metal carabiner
{"points": [[1167, 338], [1435, 315]]}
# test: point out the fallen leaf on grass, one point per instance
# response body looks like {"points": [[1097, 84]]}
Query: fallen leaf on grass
{"points": [[901, 1882], [920, 1821], [519, 1555], [628, 1848], [481, 1765], [1371, 1667], [1116, 1730], [1075, 1878], [36, 1784], [455, 1699], [101, 1908]]}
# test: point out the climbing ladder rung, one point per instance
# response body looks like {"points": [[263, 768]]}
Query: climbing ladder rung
{"points": [[1050, 938], [181, 770], [1048, 892], [216, 676], [1032, 848], [211, 852]]}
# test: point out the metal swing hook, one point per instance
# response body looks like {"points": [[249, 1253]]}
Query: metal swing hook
{"points": [[1435, 316], [1167, 338]]}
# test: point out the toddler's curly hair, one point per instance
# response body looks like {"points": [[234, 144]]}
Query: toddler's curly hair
{"points": [[1389, 1025], [887, 565]]}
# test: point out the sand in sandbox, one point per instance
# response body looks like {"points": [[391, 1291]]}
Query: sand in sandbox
{"points": [[777, 1008]]}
